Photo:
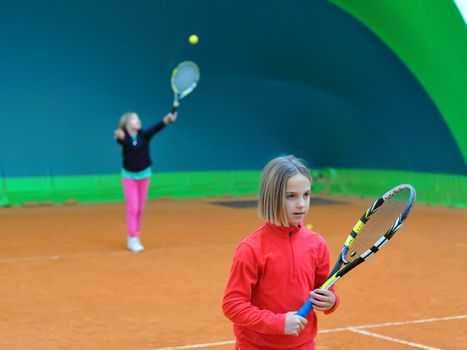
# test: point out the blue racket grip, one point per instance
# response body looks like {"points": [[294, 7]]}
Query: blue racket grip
{"points": [[305, 309]]}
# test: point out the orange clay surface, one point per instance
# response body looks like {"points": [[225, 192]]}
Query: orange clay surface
{"points": [[68, 282]]}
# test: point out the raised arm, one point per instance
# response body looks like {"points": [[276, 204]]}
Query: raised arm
{"points": [[119, 135], [168, 119]]}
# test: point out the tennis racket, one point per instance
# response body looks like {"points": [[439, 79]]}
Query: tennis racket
{"points": [[374, 229], [184, 79]]}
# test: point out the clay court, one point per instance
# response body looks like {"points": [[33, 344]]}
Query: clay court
{"points": [[68, 282], [369, 94]]}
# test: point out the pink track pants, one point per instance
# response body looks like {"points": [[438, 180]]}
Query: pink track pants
{"points": [[136, 192]]}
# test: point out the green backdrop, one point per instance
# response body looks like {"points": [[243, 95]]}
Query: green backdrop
{"points": [[371, 94]]}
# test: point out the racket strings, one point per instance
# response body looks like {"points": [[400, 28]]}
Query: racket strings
{"points": [[185, 78], [378, 224]]}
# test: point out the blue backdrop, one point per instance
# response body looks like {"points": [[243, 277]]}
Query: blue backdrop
{"points": [[302, 77]]}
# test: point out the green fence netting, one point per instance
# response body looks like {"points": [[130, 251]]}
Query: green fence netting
{"points": [[438, 189]]}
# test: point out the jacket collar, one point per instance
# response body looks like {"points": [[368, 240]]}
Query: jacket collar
{"points": [[283, 231]]}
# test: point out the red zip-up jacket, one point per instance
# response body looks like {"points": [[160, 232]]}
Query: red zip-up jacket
{"points": [[272, 273]]}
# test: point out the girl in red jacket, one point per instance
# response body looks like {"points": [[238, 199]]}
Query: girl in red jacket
{"points": [[279, 266]]}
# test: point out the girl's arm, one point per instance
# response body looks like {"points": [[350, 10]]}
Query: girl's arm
{"points": [[119, 135], [238, 293], [168, 119]]}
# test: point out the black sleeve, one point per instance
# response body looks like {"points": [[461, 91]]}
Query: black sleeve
{"points": [[150, 132], [125, 139]]}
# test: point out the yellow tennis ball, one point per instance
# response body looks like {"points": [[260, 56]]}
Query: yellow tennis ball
{"points": [[309, 226], [193, 39]]}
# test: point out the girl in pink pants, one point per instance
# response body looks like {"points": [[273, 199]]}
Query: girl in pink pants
{"points": [[136, 170], [135, 196]]}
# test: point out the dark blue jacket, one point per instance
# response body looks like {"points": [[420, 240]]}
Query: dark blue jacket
{"points": [[135, 154]]}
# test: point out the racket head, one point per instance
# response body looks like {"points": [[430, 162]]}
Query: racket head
{"points": [[379, 223], [184, 78]]}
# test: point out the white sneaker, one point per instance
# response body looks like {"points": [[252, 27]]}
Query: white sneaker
{"points": [[134, 244]]}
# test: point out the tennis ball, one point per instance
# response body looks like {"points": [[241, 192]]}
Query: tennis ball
{"points": [[309, 226], [193, 39]]}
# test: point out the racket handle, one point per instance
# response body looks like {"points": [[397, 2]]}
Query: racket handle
{"points": [[305, 309], [175, 106]]}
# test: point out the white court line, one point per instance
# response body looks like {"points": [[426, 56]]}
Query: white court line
{"points": [[194, 346], [123, 251], [355, 329], [390, 324], [58, 257], [394, 340]]}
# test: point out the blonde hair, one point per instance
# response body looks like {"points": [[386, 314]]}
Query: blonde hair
{"points": [[272, 190], [124, 120]]}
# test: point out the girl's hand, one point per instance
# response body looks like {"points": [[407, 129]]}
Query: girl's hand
{"points": [[294, 324], [322, 299], [170, 118], [119, 134]]}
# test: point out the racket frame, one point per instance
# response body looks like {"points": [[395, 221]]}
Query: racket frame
{"points": [[338, 271], [178, 95]]}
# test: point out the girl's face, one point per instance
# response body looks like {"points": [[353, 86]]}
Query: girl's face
{"points": [[133, 123], [297, 194]]}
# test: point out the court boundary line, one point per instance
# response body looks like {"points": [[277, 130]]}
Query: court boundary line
{"points": [[389, 324], [394, 340], [355, 329], [96, 254]]}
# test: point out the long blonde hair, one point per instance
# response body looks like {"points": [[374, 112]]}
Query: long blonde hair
{"points": [[272, 190]]}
